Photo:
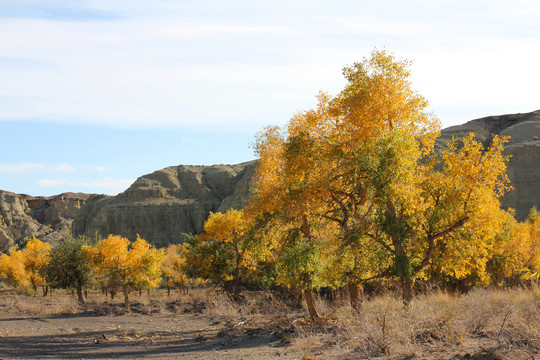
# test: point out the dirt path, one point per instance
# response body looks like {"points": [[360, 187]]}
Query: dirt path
{"points": [[137, 336]]}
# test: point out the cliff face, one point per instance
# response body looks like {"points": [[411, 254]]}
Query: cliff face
{"points": [[524, 148], [168, 203], [47, 218]]}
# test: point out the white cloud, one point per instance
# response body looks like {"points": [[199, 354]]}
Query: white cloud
{"points": [[98, 168], [51, 182], [247, 64], [26, 168], [113, 185]]}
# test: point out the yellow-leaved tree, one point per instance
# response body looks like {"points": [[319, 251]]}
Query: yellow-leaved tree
{"points": [[172, 268], [128, 265], [37, 255], [229, 230], [27, 266], [364, 162], [12, 268]]}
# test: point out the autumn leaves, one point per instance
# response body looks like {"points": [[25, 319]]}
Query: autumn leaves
{"points": [[25, 267], [126, 265], [360, 192], [114, 263], [349, 193]]}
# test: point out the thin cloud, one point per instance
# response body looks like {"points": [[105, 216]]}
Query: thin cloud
{"points": [[51, 182], [240, 64], [27, 168], [98, 168], [53, 10], [106, 183]]}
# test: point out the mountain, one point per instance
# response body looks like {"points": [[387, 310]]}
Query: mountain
{"points": [[523, 147], [164, 205], [47, 218]]}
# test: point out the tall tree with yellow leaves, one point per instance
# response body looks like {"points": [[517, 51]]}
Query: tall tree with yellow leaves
{"points": [[229, 229], [37, 255], [286, 199], [365, 161]]}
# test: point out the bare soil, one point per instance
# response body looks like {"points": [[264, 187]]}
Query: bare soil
{"points": [[135, 336], [481, 325], [105, 331]]}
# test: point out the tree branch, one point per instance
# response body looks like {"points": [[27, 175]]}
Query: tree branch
{"points": [[431, 245]]}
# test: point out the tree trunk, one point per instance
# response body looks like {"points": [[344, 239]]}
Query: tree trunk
{"points": [[125, 290], [407, 290], [80, 295], [236, 284], [168, 291], [310, 302], [45, 289], [355, 296]]}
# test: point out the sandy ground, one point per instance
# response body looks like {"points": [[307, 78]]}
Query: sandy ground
{"points": [[58, 328], [136, 336], [159, 327]]}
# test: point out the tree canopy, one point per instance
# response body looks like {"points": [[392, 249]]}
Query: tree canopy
{"points": [[362, 166]]}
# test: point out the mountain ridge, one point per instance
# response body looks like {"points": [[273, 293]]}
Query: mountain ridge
{"points": [[167, 203]]}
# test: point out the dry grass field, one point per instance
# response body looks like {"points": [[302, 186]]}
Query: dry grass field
{"points": [[482, 324]]}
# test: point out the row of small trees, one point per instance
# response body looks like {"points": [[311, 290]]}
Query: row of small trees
{"points": [[234, 254], [114, 263]]}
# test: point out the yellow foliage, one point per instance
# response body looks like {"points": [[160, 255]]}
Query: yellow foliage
{"points": [[126, 264], [172, 265], [364, 161], [36, 257], [12, 267], [226, 227], [26, 267]]}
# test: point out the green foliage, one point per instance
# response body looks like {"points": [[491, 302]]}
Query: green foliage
{"points": [[298, 263], [69, 266], [210, 260]]}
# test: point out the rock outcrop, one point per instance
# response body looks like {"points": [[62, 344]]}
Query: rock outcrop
{"points": [[168, 203], [524, 148], [47, 218], [163, 206]]}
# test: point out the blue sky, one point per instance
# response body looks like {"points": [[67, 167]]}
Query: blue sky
{"points": [[96, 93]]}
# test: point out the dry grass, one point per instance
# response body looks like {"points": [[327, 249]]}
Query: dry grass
{"points": [[483, 324], [496, 324], [59, 304]]}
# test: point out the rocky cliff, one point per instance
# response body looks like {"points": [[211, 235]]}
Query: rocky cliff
{"points": [[524, 148], [47, 218], [162, 206], [168, 203]]}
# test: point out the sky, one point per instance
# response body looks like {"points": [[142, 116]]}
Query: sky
{"points": [[94, 94]]}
